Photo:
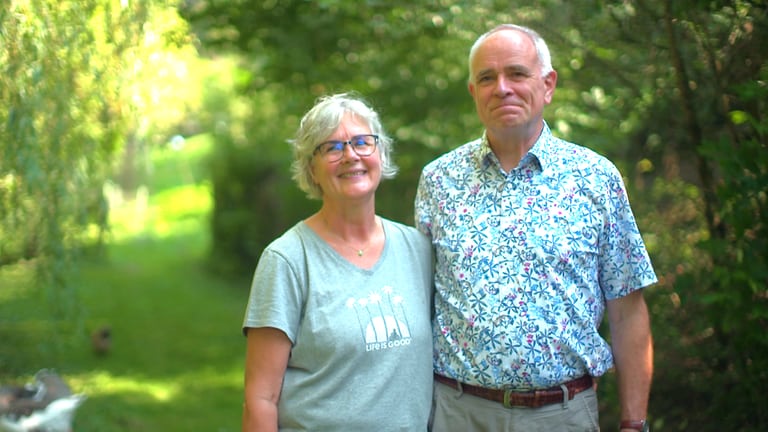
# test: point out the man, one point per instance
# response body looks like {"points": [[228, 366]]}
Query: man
{"points": [[534, 240]]}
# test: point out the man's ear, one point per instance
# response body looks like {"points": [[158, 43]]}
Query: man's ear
{"points": [[550, 81]]}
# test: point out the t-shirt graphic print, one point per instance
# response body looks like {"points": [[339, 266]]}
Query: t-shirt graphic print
{"points": [[382, 319]]}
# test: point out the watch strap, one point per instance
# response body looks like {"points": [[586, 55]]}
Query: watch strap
{"points": [[638, 425]]}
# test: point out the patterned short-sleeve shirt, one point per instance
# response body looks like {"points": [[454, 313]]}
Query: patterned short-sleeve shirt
{"points": [[526, 261]]}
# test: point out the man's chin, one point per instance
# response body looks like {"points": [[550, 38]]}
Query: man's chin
{"points": [[511, 120]]}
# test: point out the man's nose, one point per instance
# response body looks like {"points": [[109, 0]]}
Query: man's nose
{"points": [[503, 85]]}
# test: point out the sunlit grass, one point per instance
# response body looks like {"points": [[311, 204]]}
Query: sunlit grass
{"points": [[14, 280], [103, 383], [169, 212], [177, 195]]}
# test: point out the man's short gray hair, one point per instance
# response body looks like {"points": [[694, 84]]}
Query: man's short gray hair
{"points": [[542, 50]]}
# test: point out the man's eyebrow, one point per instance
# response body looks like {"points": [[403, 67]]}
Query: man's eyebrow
{"points": [[484, 72], [507, 69], [517, 68]]}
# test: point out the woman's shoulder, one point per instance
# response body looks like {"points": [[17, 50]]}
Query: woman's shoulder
{"points": [[291, 241]]}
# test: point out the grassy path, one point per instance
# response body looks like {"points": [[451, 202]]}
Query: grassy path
{"points": [[176, 357]]}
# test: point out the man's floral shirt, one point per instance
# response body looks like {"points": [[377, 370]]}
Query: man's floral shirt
{"points": [[526, 261]]}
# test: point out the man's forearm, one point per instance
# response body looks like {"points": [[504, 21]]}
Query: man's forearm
{"points": [[633, 355]]}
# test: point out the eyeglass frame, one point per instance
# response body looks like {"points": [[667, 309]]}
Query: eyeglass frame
{"points": [[344, 144]]}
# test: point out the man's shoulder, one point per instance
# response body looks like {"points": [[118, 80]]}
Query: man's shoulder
{"points": [[561, 146], [561, 151]]}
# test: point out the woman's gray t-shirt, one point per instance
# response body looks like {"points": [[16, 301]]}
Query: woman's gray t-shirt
{"points": [[362, 349]]}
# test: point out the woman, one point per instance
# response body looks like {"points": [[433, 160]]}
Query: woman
{"points": [[337, 323]]}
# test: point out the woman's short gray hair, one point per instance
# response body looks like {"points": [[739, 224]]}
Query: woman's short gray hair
{"points": [[320, 122]]}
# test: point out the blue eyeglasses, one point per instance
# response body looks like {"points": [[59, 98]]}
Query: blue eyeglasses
{"points": [[332, 151]]}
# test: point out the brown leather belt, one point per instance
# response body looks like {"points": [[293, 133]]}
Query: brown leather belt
{"points": [[530, 399]]}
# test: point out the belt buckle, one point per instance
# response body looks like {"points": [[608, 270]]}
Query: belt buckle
{"points": [[537, 402], [506, 398]]}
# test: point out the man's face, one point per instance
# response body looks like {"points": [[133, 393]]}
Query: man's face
{"points": [[506, 82]]}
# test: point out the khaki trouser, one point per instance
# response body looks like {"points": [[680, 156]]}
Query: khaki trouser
{"points": [[453, 411]]}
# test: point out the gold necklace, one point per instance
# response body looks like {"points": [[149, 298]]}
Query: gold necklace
{"points": [[360, 252]]}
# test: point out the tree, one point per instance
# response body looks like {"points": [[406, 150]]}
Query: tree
{"points": [[724, 123], [60, 124]]}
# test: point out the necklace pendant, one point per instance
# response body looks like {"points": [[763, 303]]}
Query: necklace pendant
{"points": [[359, 252]]}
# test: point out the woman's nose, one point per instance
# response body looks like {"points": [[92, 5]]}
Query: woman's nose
{"points": [[348, 151]]}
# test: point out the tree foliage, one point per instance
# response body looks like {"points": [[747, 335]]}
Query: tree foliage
{"points": [[60, 123], [74, 84]]}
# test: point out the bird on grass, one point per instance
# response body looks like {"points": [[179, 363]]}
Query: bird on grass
{"points": [[101, 340]]}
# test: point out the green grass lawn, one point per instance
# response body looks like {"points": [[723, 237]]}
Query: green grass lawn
{"points": [[176, 361]]}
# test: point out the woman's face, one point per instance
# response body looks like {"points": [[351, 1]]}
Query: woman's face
{"points": [[352, 176]]}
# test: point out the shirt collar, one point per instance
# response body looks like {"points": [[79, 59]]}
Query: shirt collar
{"points": [[543, 148], [484, 156], [542, 151]]}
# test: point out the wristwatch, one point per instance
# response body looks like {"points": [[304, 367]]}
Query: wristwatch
{"points": [[638, 425]]}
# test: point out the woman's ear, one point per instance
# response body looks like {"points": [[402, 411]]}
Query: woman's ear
{"points": [[312, 172]]}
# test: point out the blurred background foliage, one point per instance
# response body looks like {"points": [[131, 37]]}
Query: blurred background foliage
{"points": [[674, 92]]}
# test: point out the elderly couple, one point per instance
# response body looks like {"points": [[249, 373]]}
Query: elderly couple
{"points": [[485, 316]]}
